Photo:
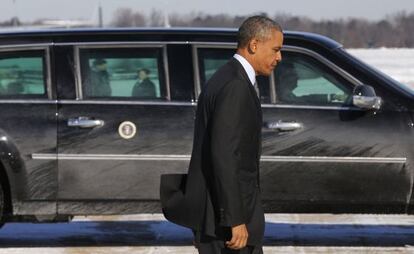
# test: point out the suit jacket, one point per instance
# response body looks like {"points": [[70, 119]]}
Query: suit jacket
{"points": [[222, 184], [144, 89], [98, 84]]}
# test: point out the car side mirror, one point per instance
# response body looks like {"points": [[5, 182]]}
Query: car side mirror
{"points": [[364, 97]]}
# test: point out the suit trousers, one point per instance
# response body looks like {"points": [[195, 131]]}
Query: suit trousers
{"points": [[255, 228]]}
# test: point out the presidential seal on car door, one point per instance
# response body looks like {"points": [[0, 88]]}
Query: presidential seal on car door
{"points": [[127, 130]]}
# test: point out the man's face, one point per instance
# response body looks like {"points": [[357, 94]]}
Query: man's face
{"points": [[142, 75], [101, 67], [267, 53]]}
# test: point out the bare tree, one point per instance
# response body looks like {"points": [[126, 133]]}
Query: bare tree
{"points": [[125, 17], [404, 24], [392, 31], [12, 22], [156, 18], [139, 19]]}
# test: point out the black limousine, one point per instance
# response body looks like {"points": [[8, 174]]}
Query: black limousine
{"points": [[91, 118]]}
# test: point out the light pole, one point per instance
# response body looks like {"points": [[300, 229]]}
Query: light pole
{"points": [[15, 19], [166, 16], [100, 15]]}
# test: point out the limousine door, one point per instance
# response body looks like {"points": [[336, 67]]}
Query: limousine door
{"points": [[28, 128], [320, 153], [130, 122]]}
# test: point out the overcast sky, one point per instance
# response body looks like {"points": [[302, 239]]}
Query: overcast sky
{"points": [[29, 10]]}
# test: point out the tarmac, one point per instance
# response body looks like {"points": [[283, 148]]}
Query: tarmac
{"points": [[151, 233]]}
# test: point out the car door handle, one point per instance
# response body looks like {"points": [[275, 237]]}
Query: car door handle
{"points": [[85, 122], [283, 126]]}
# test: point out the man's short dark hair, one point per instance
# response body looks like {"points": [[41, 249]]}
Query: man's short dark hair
{"points": [[147, 71], [258, 27], [99, 61]]}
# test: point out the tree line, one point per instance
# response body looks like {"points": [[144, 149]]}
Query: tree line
{"points": [[395, 30]]}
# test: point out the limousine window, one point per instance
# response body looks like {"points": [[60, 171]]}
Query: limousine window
{"points": [[300, 79], [22, 74], [122, 73], [211, 59]]}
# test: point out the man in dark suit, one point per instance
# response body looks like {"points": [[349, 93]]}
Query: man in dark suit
{"points": [[145, 88], [221, 200], [98, 84]]}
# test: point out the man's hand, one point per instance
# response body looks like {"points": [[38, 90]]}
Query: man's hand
{"points": [[239, 237]]}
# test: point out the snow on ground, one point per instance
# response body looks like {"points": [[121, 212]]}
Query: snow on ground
{"points": [[395, 62], [151, 233]]}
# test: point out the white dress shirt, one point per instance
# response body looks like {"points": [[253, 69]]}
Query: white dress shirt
{"points": [[247, 67]]}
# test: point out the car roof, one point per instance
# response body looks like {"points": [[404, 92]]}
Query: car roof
{"points": [[184, 32]]}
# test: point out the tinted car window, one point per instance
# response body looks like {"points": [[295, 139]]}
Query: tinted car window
{"points": [[127, 73], [210, 59], [22, 74], [301, 79]]}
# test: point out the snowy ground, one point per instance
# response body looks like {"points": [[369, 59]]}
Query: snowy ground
{"points": [[397, 63], [151, 233]]}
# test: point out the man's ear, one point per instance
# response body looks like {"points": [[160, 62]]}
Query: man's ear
{"points": [[252, 46]]}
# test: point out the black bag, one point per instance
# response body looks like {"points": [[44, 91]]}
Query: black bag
{"points": [[179, 206], [172, 189]]}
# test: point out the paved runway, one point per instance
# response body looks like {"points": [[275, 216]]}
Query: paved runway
{"points": [[151, 233]]}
